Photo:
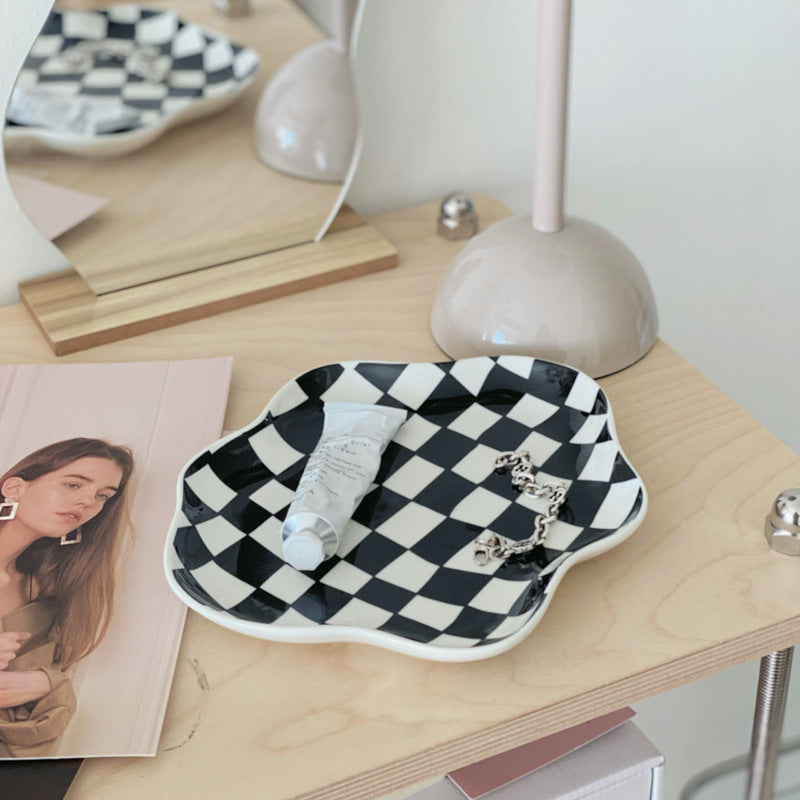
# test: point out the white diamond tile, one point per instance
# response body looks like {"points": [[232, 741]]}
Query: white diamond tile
{"points": [[478, 464], [583, 393], [590, 429], [353, 534], [412, 523], [157, 30], [124, 12], [84, 25], [433, 613], [415, 384], [408, 571], [289, 397], [218, 55], [276, 454], [357, 613], [519, 365], [294, 619], [272, 496], [472, 372], [351, 387], [105, 77], [600, 464], [412, 477], [46, 46], [245, 63], [268, 535], [209, 488], [617, 504], [540, 447], [415, 432], [464, 560], [475, 421], [218, 534], [226, 589], [499, 596], [561, 535], [531, 411], [480, 507], [346, 577], [225, 88], [188, 41], [287, 584], [144, 91], [189, 79]]}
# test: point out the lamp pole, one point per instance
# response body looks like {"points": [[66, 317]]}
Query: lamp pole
{"points": [[552, 89]]}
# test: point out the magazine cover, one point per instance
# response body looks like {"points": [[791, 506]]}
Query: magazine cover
{"points": [[89, 630]]}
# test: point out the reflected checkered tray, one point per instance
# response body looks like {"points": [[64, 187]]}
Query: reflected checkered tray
{"points": [[404, 577], [199, 73]]}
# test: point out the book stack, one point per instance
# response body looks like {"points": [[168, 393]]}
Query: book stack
{"points": [[607, 758]]}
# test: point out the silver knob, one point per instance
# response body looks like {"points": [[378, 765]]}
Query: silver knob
{"points": [[782, 528], [232, 8], [457, 217]]}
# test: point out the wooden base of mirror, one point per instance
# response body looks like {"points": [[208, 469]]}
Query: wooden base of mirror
{"points": [[73, 318]]}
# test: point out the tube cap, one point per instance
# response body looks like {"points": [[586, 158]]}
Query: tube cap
{"points": [[303, 550]]}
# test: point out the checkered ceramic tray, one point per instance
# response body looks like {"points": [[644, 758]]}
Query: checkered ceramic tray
{"points": [[159, 69], [405, 577]]}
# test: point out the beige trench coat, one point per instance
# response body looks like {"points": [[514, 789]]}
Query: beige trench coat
{"points": [[32, 730]]}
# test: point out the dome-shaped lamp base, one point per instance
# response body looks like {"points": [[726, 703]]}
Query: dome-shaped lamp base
{"points": [[577, 296], [306, 120]]}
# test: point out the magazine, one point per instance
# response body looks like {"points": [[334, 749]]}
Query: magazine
{"points": [[89, 630]]}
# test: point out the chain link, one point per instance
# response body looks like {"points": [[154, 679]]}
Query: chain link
{"points": [[494, 547]]}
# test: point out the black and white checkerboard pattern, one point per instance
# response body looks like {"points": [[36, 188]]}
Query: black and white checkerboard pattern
{"points": [[202, 65], [405, 566]]}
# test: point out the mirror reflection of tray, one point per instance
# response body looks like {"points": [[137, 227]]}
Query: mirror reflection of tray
{"points": [[148, 68], [404, 577]]}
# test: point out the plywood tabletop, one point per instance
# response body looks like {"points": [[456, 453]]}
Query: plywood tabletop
{"points": [[695, 590]]}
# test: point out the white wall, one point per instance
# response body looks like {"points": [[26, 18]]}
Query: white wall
{"points": [[684, 140]]}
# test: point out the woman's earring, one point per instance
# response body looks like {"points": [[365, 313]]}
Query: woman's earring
{"points": [[8, 509], [73, 537]]}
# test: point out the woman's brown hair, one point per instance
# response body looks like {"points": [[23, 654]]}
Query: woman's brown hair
{"points": [[78, 579]]}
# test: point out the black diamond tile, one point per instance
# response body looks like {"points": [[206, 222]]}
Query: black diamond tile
{"points": [[374, 553], [260, 606], [453, 586], [190, 548], [384, 595], [409, 629], [474, 624], [445, 540]]}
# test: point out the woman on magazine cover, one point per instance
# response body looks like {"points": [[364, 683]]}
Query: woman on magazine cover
{"points": [[61, 525]]}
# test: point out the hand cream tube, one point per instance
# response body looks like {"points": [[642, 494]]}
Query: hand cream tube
{"points": [[336, 478]]}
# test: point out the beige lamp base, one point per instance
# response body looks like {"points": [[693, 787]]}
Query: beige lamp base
{"points": [[576, 296], [306, 120]]}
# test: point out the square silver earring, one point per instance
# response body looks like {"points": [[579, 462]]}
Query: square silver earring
{"points": [[8, 509]]}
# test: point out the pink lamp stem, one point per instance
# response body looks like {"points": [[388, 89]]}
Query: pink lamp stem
{"points": [[342, 24], [551, 117]]}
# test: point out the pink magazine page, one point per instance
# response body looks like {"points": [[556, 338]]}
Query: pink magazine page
{"points": [[53, 209], [485, 776], [89, 462]]}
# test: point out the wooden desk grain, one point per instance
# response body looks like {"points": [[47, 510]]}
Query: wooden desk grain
{"points": [[695, 590]]}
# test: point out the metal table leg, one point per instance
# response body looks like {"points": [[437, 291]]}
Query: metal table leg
{"points": [[773, 686]]}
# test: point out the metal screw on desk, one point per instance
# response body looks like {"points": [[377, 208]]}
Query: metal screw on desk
{"points": [[232, 8], [457, 217], [782, 530], [782, 527]]}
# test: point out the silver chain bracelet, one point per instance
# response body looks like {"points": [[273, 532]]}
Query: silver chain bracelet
{"points": [[491, 546]]}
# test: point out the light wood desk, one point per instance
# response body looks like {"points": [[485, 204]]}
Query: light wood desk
{"points": [[695, 590]]}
